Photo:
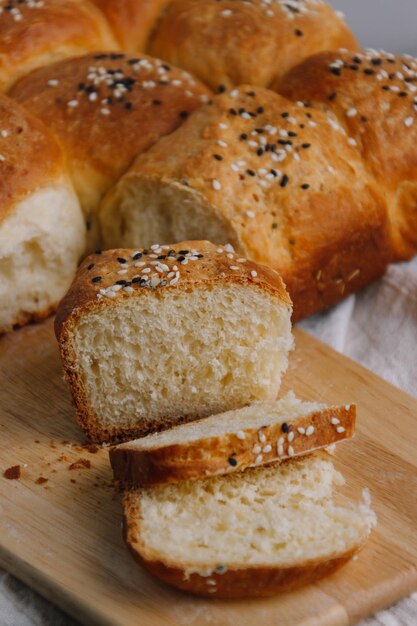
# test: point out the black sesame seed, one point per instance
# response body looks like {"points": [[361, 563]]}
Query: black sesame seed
{"points": [[221, 89], [121, 259], [121, 282], [133, 61], [298, 32], [251, 93], [364, 119], [171, 253], [274, 225], [145, 251], [81, 86], [233, 111], [403, 94], [274, 173], [162, 256], [100, 56], [306, 145], [98, 251], [232, 461], [357, 60], [243, 136], [284, 427], [137, 256], [181, 259], [137, 279], [376, 61], [117, 56], [156, 102], [128, 106], [368, 71], [336, 71], [166, 67], [291, 242], [259, 130], [260, 151], [96, 279], [163, 283], [260, 110], [250, 172], [385, 87], [291, 133], [305, 186], [90, 267], [143, 282], [284, 180], [354, 68], [183, 252], [184, 114], [218, 157], [285, 114], [332, 96], [199, 256]]}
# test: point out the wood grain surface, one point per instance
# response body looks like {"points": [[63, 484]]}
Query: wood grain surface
{"points": [[63, 536]]}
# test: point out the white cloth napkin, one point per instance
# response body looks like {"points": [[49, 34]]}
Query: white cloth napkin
{"points": [[378, 328]]}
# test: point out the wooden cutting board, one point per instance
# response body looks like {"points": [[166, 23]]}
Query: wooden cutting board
{"points": [[63, 536]]}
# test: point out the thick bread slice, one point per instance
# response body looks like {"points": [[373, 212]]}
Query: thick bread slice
{"points": [[151, 338], [255, 533], [232, 441]]}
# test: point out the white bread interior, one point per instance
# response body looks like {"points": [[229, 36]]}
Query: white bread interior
{"points": [[151, 210], [41, 242], [276, 516], [152, 361], [254, 416]]}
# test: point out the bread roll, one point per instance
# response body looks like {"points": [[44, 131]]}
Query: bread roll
{"points": [[260, 433], [281, 182], [230, 43], [105, 108], [42, 232], [252, 533], [37, 32], [132, 20], [152, 338], [374, 96]]}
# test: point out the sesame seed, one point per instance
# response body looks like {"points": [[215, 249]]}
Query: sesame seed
{"points": [[334, 421], [250, 214], [267, 449], [254, 273], [259, 459], [240, 434], [351, 112], [290, 451], [409, 121], [301, 430], [256, 449], [233, 267], [232, 461], [340, 429], [291, 436], [261, 437], [96, 279], [309, 431], [216, 185]]}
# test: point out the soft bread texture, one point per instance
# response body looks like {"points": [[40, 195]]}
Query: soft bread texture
{"points": [[152, 338], [256, 533], [132, 20], [37, 32], [235, 42], [280, 181], [37, 205], [105, 108], [374, 97], [260, 433]]}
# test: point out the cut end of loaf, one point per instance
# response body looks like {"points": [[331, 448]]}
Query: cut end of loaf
{"points": [[268, 530], [154, 354], [230, 442]]}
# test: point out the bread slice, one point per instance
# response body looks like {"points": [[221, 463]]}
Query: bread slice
{"points": [[255, 533], [150, 338], [232, 441]]}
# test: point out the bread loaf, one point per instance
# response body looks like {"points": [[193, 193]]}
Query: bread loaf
{"points": [[42, 233], [228, 43], [105, 108], [132, 20], [252, 533], [280, 181], [263, 432], [374, 96], [37, 32], [152, 338]]}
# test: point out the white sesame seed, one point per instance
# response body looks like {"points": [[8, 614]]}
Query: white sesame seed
{"points": [[235, 92], [290, 436], [335, 421], [221, 143], [128, 289], [146, 270], [301, 430], [72, 103], [233, 267], [347, 407], [92, 96], [259, 459], [250, 214], [4, 133], [2, 157], [140, 264], [261, 437], [240, 434], [53, 82], [309, 431], [290, 451], [267, 449], [256, 449], [105, 111], [352, 142], [222, 125], [351, 112], [241, 260], [254, 273], [226, 13], [216, 185], [409, 121], [340, 429], [280, 450], [122, 272]]}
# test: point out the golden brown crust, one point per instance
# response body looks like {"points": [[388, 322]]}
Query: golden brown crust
{"points": [[228, 453], [22, 139], [233, 581], [148, 99], [373, 95], [37, 33], [234, 42], [98, 276], [132, 20], [287, 182]]}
